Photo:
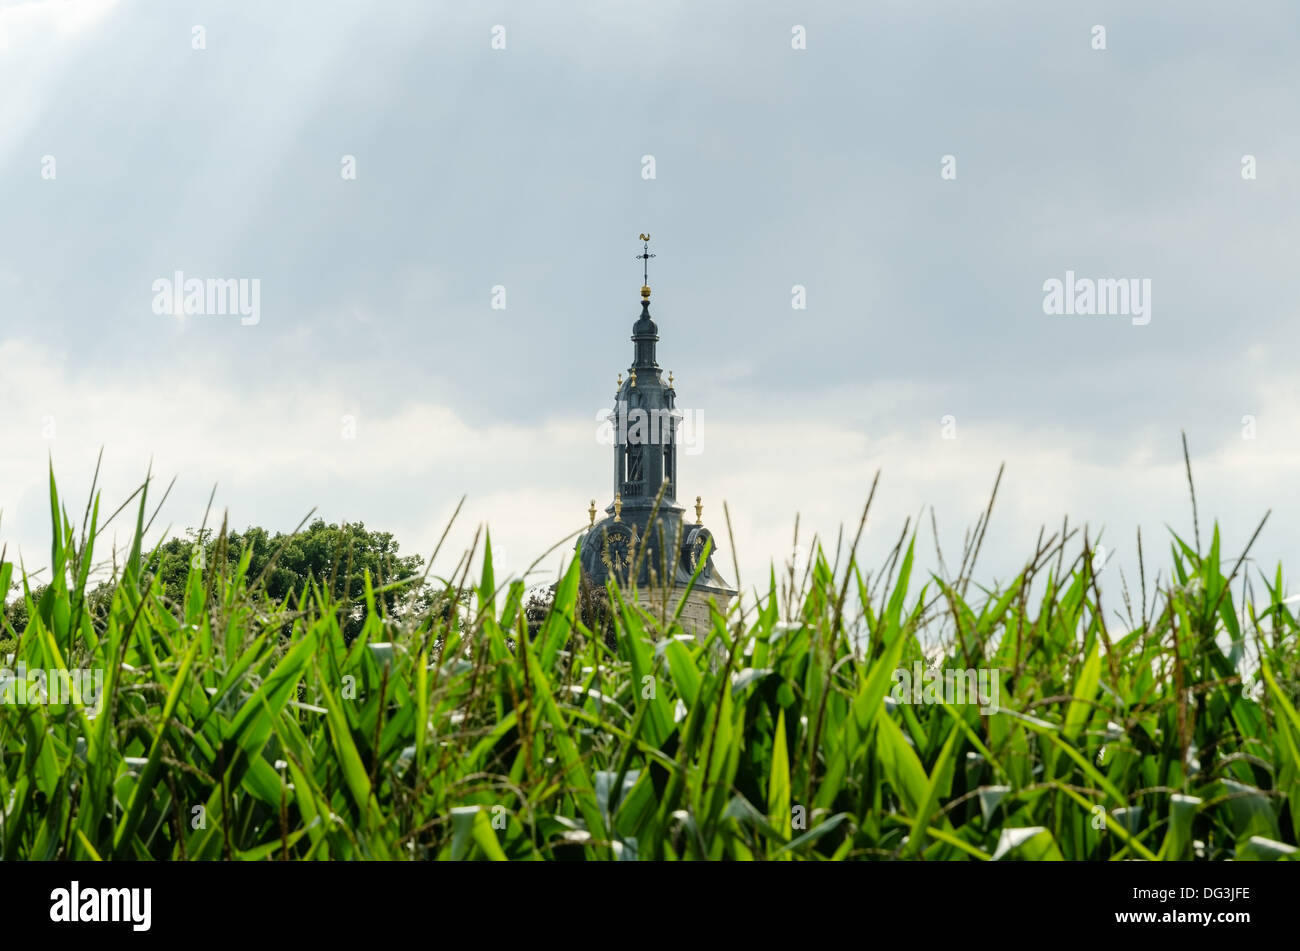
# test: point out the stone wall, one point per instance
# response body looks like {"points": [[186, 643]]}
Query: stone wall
{"points": [[696, 617]]}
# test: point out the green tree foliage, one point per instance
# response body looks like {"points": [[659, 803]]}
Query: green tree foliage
{"points": [[282, 568]]}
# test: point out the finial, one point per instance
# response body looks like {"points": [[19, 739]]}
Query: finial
{"points": [[592, 512], [699, 510], [670, 379], [645, 257], [632, 378], [618, 507], [620, 379]]}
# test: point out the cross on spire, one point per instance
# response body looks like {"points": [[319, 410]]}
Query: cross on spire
{"points": [[645, 257]]}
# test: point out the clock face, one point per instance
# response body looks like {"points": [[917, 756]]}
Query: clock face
{"points": [[617, 551], [698, 543]]}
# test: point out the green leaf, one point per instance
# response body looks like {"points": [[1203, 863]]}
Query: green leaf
{"points": [[1085, 691], [778, 781], [1027, 844]]}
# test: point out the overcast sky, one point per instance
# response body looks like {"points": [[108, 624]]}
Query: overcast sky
{"points": [[380, 384]]}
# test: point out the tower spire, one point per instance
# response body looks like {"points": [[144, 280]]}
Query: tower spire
{"points": [[644, 332], [644, 530], [646, 417]]}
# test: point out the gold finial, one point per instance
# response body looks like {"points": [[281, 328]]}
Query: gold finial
{"points": [[620, 380], [618, 507], [670, 379], [592, 512], [645, 291], [632, 378], [699, 510]]}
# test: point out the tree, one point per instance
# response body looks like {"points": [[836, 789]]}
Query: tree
{"points": [[335, 557], [593, 606]]}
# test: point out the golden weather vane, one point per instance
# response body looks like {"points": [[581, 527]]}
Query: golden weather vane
{"points": [[644, 257]]}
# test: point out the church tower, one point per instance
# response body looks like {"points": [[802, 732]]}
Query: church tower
{"points": [[644, 531]]}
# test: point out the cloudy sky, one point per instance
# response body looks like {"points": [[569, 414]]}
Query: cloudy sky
{"points": [[380, 384]]}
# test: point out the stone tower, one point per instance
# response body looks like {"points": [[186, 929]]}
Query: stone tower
{"points": [[644, 530]]}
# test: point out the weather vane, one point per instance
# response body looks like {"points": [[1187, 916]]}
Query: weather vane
{"points": [[645, 257]]}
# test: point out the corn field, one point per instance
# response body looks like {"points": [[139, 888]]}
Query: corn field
{"points": [[230, 727]]}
